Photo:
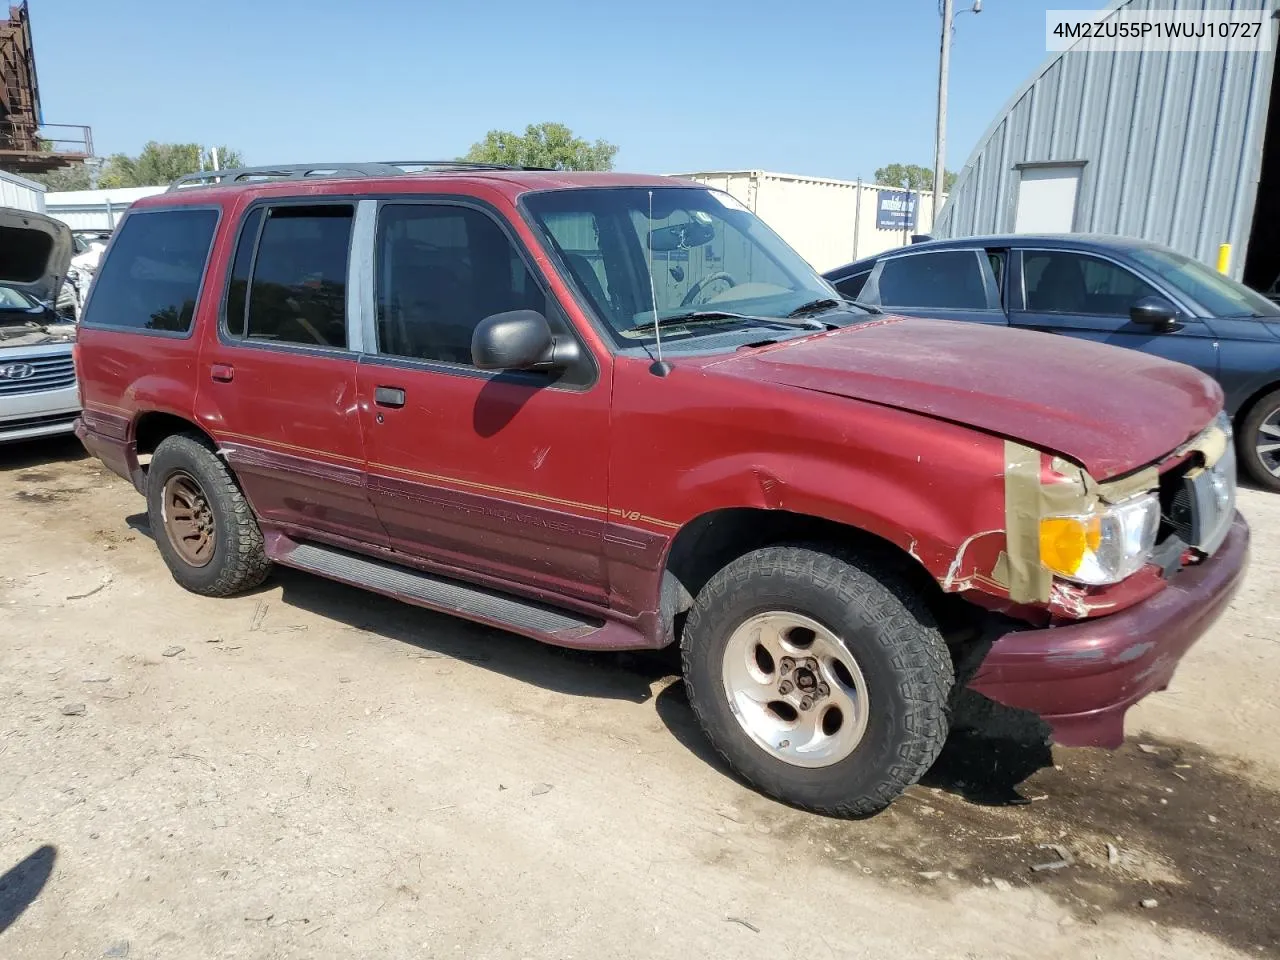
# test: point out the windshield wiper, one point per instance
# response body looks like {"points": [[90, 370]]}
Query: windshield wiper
{"points": [[691, 317], [830, 303]]}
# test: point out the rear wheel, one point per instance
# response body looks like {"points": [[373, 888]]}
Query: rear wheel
{"points": [[1259, 442], [201, 521], [820, 679]]}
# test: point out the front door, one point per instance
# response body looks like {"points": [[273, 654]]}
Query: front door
{"points": [[499, 477], [278, 384], [1081, 295]]}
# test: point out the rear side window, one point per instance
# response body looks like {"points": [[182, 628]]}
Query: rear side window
{"points": [[151, 278], [950, 279], [294, 288]]}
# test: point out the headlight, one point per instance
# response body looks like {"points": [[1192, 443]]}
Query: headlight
{"points": [[1103, 546]]}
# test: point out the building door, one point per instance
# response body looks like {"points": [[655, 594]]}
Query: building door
{"points": [[1047, 199]]}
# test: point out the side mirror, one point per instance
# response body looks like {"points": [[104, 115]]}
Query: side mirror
{"points": [[520, 340], [1153, 312]]}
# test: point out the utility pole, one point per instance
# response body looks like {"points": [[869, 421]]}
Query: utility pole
{"points": [[944, 70], [940, 138]]}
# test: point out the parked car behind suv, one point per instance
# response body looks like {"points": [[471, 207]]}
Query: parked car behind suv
{"points": [[1115, 290], [38, 395], [616, 412]]}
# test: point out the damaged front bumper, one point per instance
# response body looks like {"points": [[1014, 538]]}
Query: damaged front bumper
{"points": [[1083, 677]]}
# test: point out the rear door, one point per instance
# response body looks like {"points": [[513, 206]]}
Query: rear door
{"points": [[1089, 295], [500, 476], [945, 284], [278, 384]]}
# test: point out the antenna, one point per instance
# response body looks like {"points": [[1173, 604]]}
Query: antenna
{"points": [[659, 368]]}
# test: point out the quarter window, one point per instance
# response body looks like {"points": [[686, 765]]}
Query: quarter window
{"points": [[1063, 282], [851, 287], [441, 270], [297, 292], [151, 279]]}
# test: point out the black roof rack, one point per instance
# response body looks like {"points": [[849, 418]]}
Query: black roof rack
{"points": [[320, 171]]}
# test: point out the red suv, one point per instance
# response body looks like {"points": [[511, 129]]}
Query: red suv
{"points": [[617, 412]]}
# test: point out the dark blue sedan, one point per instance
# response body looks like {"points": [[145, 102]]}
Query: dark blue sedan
{"points": [[1125, 292]]}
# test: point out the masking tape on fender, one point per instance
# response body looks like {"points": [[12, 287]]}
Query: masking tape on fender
{"points": [[1019, 567]]}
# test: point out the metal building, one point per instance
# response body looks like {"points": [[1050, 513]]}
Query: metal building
{"points": [[20, 193], [1182, 148]]}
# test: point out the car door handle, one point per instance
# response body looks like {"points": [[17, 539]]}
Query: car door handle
{"points": [[389, 396], [222, 372]]}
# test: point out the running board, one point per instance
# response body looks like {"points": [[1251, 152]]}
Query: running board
{"points": [[533, 619]]}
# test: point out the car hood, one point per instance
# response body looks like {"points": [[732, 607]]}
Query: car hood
{"points": [[1110, 409], [35, 252]]}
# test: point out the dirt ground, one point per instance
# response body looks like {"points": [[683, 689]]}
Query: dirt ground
{"points": [[310, 771]]}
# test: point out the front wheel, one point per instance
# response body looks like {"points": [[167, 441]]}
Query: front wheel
{"points": [[820, 682], [1259, 443]]}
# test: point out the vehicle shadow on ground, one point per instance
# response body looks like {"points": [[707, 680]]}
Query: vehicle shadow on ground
{"points": [[47, 451], [22, 883]]}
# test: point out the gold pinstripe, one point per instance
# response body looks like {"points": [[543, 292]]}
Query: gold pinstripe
{"points": [[458, 481]]}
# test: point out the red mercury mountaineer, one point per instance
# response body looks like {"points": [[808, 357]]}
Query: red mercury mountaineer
{"points": [[616, 412]]}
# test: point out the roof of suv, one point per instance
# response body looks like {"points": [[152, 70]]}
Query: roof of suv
{"points": [[513, 183]]}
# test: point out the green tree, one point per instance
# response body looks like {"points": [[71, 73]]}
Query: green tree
{"points": [[73, 177], [159, 164], [550, 145], [912, 176]]}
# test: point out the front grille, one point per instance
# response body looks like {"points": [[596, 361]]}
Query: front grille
{"points": [[1181, 514], [26, 423], [46, 373], [1197, 504]]}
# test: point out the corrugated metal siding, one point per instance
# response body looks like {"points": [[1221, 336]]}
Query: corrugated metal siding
{"points": [[20, 194], [1172, 143]]}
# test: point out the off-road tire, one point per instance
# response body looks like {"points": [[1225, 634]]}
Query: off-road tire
{"points": [[1247, 441], [239, 560], [883, 624]]}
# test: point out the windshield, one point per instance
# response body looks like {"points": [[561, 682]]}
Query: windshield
{"points": [[710, 256], [11, 299], [1221, 296]]}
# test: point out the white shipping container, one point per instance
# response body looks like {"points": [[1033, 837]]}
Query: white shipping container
{"points": [[20, 193], [95, 209], [830, 222]]}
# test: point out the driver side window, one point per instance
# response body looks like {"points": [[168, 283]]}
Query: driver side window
{"points": [[1065, 282], [441, 269]]}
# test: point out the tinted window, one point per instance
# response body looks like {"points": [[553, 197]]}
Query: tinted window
{"points": [[298, 291], [440, 271], [949, 278], [152, 277], [852, 286], [240, 267], [1062, 282], [996, 258]]}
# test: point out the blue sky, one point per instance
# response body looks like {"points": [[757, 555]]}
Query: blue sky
{"points": [[826, 87]]}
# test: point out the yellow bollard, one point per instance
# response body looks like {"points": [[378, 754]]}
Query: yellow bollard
{"points": [[1224, 257]]}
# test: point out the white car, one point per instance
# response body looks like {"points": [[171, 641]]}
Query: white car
{"points": [[38, 392]]}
